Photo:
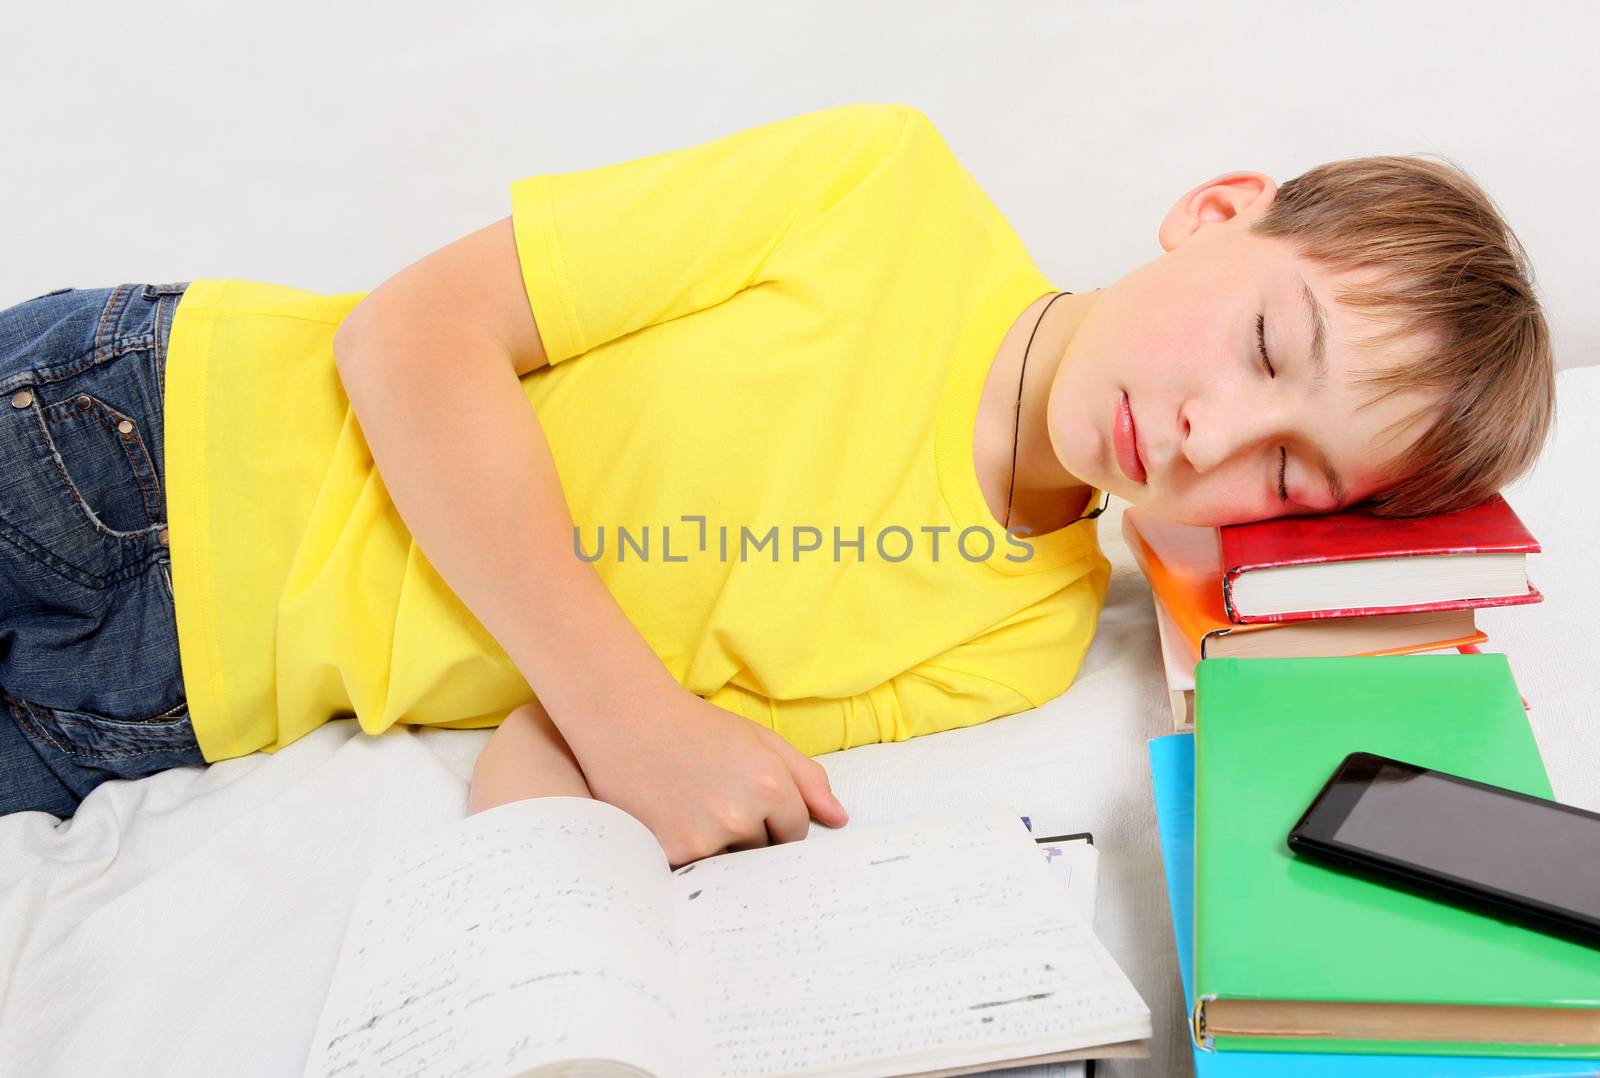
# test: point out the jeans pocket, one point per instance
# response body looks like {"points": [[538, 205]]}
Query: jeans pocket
{"points": [[80, 484], [119, 747], [104, 463]]}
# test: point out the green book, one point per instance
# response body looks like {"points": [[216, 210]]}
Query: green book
{"points": [[1291, 955]]}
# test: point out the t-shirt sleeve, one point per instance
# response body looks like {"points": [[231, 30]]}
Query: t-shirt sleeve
{"points": [[610, 250], [1021, 663]]}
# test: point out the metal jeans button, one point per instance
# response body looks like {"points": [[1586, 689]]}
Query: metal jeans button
{"points": [[161, 537], [126, 426], [22, 398]]}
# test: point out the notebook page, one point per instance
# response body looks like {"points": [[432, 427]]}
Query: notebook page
{"points": [[931, 940], [536, 931], [1076, 867]]}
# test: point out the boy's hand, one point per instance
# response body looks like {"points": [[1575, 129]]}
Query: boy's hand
{"points": [[706, 781]]}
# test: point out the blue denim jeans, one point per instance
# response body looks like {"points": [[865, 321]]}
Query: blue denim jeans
{"points": [[89, 672]]}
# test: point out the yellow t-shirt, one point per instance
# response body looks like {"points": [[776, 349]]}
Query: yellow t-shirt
{"points": [[753, 342]]}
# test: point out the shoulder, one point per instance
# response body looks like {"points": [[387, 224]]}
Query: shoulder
{"points": [[884, 125]]}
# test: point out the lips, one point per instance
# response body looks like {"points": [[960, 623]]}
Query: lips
{"points": [[1124, 437]]}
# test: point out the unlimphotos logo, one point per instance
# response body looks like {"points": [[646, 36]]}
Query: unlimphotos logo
{"points": [[890, 543]]}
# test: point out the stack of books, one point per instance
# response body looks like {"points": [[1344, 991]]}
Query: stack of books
{"points": [[1294, 968], [1289, 644], [1340, 584]]}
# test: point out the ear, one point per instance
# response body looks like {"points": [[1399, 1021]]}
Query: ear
{"points": [[1233, 196]]}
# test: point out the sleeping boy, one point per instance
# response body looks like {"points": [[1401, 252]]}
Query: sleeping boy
{"points": [[837, 328], [699, 465]]}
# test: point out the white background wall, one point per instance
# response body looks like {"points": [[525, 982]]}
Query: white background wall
{"points": [[326, 145]]}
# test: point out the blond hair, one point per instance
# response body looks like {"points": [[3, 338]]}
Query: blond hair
{"points": [[1450, 271]]}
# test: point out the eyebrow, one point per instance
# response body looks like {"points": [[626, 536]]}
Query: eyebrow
{"points": [[1318, 317], [1319, 334], [1333, 482]]}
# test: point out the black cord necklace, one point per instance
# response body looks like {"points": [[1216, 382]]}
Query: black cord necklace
{"points": [[1016, 437]]}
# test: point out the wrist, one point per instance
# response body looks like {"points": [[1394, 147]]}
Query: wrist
{"points": [[601, 708]]}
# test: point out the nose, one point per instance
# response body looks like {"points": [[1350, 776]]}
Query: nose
{"points": [[1214, 432]]}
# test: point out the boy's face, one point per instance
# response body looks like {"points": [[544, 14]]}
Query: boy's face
{"points": [[1213, 428]]}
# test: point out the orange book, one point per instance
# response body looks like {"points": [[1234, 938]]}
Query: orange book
{"points": [[1184, 566]]}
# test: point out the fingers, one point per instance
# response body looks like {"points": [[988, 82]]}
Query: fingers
{"points": [[785, 820], [800, 788], [789, 821], [811, 779], [751, 842], [795, 790]]}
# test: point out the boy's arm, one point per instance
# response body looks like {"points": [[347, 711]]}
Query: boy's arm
{"points": [[465, 461], [431, 361]]}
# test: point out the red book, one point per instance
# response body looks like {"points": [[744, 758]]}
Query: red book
{"points": [[1353, 563]]}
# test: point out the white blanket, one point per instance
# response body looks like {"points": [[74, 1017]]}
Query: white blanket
{"points": [[187, 923]]}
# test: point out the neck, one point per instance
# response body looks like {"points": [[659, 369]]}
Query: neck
{"points": [[1041, 481]]}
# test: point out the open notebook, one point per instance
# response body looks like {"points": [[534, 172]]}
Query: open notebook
{"points": [[549, 936]]}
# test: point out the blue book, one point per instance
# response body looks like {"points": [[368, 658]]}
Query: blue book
{"points": [[1172, 779]]}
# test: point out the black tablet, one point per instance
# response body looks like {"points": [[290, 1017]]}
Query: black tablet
{"points": [[1509, 854]]}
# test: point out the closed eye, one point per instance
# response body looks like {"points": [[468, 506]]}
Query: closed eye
{"points": [[1261, 344], [1283, 453]]}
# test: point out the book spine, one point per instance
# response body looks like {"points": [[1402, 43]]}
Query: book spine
{"points": [[1227, 597], [1197, 1025], [1205, 641]]}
